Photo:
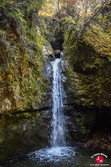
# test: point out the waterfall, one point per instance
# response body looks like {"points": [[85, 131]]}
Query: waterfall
{"points": [[58, 119], [58, 151]]}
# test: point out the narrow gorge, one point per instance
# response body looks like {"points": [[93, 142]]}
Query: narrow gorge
{"points": [[55, 83]]}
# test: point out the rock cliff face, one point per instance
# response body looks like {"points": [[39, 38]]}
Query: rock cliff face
{"points": [[89, 61], [25, 72], [87, 55], [53, 31], [22, 133], [24, 54]]}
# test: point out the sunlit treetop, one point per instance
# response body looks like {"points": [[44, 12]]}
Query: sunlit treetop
{"points": [[47, 8], [83, 7]]}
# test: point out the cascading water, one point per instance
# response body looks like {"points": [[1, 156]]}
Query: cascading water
{"points": [[58, 120], [58, 150], [59, 154]]}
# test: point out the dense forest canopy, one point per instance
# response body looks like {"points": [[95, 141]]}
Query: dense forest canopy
{"points": [[80, 8], [84, 7]]}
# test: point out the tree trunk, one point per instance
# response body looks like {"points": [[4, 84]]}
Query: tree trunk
{"points": [[55, 6], [85, 13]]}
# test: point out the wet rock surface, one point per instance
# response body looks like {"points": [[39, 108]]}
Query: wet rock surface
{"points": [[22, 133], [86, 79], [86, 124]]}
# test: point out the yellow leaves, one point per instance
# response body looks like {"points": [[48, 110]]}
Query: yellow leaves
{"points": [[45, 13], [105, 19], [99, 142], [2, 32], [9, 77], [47, 9], [100, 40]]}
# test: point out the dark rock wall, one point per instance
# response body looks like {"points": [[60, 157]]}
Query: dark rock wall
{"points": [[53, 31], [23, 133]]}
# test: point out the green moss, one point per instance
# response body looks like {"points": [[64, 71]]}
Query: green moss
{"points": [[82, 127], [22, 60], [89, 61], [100, 40]]}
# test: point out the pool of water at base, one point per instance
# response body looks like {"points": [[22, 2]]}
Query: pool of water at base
{"points": [[59, 157]]}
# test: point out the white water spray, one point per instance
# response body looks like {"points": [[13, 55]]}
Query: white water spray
{"points": [[58, 151], [58, 120]]}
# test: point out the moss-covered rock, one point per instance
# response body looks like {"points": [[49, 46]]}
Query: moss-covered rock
{"points": [[53, 31], [23, 54], [22, 133], [88, 55]]}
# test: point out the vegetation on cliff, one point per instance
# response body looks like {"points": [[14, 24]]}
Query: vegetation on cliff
{"points": [[88, 51], [29, 30], [22, 56]]}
